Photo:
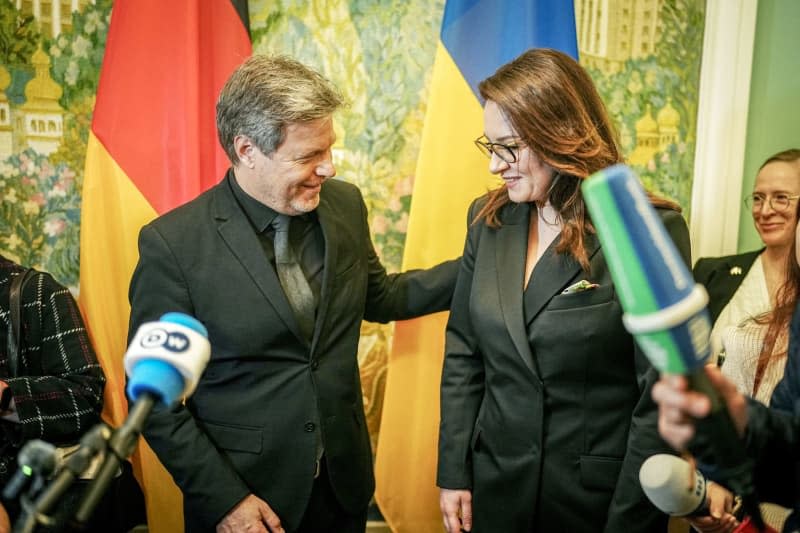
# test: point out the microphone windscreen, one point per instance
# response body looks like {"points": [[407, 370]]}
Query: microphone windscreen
{"points": [[666, 313], [672, 485], [166, 358], [36, 457], [664, 307]]}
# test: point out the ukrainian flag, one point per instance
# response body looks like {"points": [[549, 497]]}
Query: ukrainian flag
{"points": [[477, 37], [152, 147]]}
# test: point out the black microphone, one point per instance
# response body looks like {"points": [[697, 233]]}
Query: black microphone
{"points": [[91, 444], [164, 362], [36, 458]]}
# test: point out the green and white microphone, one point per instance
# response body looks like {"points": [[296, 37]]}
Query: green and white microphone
{"points": [[665, 311]]}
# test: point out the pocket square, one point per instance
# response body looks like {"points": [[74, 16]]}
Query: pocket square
{"points": [[582, 285]]}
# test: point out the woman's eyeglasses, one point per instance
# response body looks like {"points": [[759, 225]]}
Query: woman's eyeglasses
{"points": [[778, 202], [506, 152]]}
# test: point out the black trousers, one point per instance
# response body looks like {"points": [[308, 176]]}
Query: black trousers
{"points": [[325, 514]]}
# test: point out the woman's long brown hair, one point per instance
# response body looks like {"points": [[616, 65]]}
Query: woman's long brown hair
{"points": [[554, 107], [779, 318]]}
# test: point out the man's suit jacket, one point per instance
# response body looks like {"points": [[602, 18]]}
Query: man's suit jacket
{"points": [[546, 413], [252, 424], [721, 277]]}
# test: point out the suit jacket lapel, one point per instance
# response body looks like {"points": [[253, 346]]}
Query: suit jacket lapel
{"points": [[235, 229], [552, 274], [736, 267], [329, 219], [512, 244]]}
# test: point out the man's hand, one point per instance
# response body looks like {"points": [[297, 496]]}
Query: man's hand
{"points": [[678, 406], [456, 506], [251, 515]]}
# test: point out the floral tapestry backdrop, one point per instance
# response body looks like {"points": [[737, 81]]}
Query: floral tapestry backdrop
{"points": [[48, 79], [643, 54]]}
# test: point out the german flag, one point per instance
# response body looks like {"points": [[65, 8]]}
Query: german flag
{"points": [[152, 146], [477, 37]]}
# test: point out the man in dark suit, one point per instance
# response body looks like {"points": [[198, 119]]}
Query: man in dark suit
{"points": [[274, 438]]}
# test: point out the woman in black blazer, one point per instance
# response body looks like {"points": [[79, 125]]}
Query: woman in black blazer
{"points": [[546, 413]]}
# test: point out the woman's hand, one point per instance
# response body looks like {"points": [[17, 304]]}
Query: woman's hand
{"points": [[456, 506], [720, 506]]}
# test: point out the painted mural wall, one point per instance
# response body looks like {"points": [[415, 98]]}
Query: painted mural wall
{"points": [[643, 54], [50, 55]]}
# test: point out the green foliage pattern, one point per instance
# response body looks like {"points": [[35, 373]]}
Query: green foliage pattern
{"points": [[671, 74], [40, 214], [380, 56], [18, 35]]}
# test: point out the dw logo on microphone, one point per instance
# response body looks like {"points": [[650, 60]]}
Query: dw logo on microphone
{"points": [[174, 341]]}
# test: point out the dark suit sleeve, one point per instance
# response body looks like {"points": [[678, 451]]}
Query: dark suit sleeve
{"points": [[462, 378], [773, 440], [786, 396], [630, 510], [406, 295], [773, 434], [702, 270], [158, 286]]}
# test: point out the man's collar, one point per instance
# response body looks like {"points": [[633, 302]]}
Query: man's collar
{"points": [[260, 215]]}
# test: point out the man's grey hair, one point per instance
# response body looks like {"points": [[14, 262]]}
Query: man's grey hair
{"points": [[265, 95]]}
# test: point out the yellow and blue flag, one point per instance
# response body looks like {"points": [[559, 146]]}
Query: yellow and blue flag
{"points": [[477, 37]]}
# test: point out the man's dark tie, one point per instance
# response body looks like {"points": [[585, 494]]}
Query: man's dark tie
{"points": [[294, 283]]}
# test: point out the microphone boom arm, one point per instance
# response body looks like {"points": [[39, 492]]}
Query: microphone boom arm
{"points": [[120, 446]]}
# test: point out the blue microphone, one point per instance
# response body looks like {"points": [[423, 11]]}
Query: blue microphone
{"points": [[164, 363], [665, 311], [166, 358]]}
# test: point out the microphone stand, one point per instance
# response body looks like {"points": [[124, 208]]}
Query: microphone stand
{"points": [[117, 446], [36, 512], [120, 446], [157, 360]]}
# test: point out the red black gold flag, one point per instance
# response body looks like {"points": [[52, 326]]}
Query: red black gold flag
{"points": [[152, 147]]}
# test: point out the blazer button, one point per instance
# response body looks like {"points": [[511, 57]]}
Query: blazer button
{"points": [[309, 427], [314, 364]]}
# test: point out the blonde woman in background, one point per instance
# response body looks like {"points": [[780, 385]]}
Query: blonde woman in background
{"points": [[752, 297]]}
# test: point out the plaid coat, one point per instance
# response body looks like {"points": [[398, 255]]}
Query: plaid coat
{"points": [[58, 394]]}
